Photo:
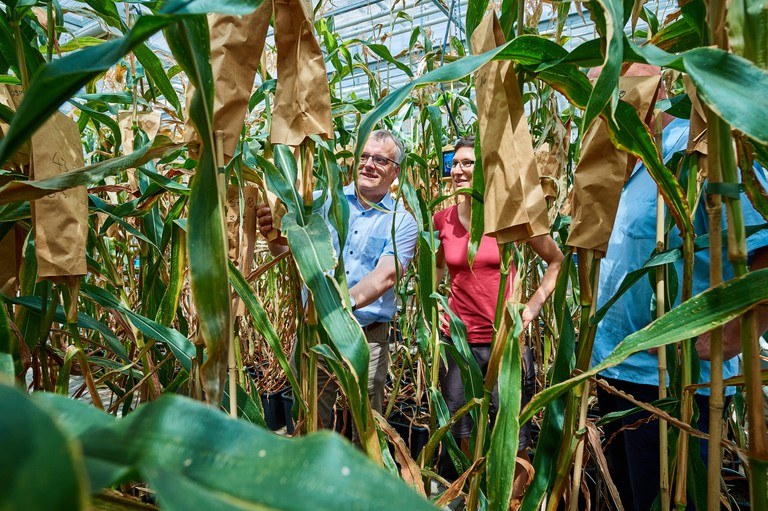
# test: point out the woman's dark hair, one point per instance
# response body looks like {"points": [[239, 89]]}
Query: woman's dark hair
{"points": [[464, 142]]}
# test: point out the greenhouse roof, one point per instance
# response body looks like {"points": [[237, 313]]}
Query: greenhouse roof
{"points": [[375, 21]]}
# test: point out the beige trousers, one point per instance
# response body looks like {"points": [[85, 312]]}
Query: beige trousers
{"points": [[378, 365]]}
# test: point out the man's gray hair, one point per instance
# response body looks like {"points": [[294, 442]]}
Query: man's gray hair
{"points": [[386, 134]]}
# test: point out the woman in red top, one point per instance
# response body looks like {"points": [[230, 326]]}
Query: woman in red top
{"points": [[474, 292]]}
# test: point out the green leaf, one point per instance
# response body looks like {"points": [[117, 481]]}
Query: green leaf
{"points": [[84, 320], [164, 182], [748, 30], [103, 119], [206, 236], [477, 212], [59, 80], [700, 314], [30, 190], [178, 262], [550, 439], [247, 408], [729, 84], [40, 468], [155, 71], [501, 459], [178, 344], [383, 52], [169, 443], [62, 380], [281, 179], [436, 128], [475, 11], [471, 375], [313, 251], [262, 323], [725, 82], [611, 19], [7, 370], [338, 213]]}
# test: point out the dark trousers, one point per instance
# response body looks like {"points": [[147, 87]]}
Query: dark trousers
{"points": [[633, 454], [452, 388]]}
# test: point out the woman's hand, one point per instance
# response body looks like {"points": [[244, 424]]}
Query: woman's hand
{"points": [[530, 312], [546, 248], [445, 323]]}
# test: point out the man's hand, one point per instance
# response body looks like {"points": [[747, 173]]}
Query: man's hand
{"points": [[264, 219], [731, 343]]}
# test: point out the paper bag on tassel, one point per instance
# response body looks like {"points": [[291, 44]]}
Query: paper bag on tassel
{"points": [[302, 98], [515, 208], [60, 219], [236, 47], [548, 170], [603, 169], [237, 43], [697, 137], [11, 96], [241, 231], [149, 122]]}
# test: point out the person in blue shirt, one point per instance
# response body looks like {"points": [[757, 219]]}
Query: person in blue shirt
{"points": [[371, 258], [633, 453]]}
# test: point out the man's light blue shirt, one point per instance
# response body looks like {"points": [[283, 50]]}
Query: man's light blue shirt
{"points": [[369, 237], [632, 241]]}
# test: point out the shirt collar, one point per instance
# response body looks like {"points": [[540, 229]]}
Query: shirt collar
{"points": [[674, 133], [387, 202]]}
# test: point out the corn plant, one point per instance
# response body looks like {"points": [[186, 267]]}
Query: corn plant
{"points": [[154, 314]]}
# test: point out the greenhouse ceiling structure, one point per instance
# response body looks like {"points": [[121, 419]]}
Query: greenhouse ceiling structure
{"points": [[390, 23]]}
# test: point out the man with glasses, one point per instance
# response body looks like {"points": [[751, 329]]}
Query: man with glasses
{"points": [[371, 257]]}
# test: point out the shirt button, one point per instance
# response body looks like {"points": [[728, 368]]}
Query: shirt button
{"points": [[347, 272], [355, 232], [350, 252]]}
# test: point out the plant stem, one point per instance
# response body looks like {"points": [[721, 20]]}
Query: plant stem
{"points": [[51, 30], [231, 361], [661, 305], [492, 374], [687, 353], [716, 399], [737, 254], [662, 359], [20, 56], [589, 305], [70, 307]]}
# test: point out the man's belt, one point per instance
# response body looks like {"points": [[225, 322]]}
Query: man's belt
{"points": [[374, 326]]}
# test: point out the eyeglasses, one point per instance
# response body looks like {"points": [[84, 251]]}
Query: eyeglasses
{"points": [[378, 160], [464, 164]]}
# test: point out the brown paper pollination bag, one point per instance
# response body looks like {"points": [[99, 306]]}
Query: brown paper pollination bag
{"points": [[697, 137], [241, 233], [236, 47], [11, 96], [515, 208], [60, 219], [548, 170], [603, 169], [302, 98], [237, 43], [149, 122]]}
